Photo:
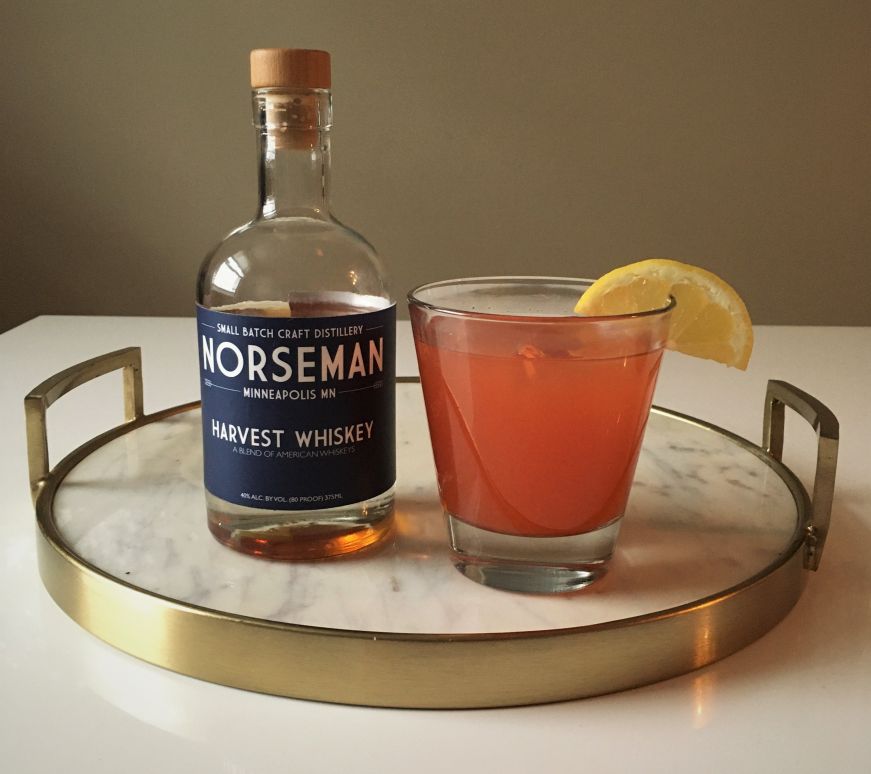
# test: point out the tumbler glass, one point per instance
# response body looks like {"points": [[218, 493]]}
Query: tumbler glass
{"points": [[536, 418]]}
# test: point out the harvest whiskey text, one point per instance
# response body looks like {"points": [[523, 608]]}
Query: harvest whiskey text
{"points": [[269, 437]]}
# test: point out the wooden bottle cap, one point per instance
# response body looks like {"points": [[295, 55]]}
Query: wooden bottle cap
{"points": [[301, 68]]}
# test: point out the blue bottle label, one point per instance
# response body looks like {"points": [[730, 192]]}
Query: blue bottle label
{"points": [[298, 413]]}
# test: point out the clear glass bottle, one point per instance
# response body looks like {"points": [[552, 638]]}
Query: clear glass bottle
{"points": [[296, 330]]}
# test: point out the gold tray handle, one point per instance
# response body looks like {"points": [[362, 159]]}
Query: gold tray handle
{"points": [[824, 422], [40, 398]]}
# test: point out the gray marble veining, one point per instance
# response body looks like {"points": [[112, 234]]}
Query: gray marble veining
{"points": [[704, 515]]}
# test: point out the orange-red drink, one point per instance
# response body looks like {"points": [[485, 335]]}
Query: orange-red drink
{"points": [[536, 419], [532, 444]]}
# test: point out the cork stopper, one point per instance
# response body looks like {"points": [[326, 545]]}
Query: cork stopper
{"points": [[300, 68]]}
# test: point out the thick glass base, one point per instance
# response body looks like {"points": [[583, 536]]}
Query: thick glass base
{"points": [[301, 535], [532, 565]]}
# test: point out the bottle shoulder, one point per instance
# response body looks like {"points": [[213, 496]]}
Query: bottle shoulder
{"points": [[329, 239], [268, 259]]}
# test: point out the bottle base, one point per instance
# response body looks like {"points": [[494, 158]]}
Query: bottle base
{"points": [[329, 533]]}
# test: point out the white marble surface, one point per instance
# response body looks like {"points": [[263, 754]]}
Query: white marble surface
{"points": [[705, 515], [797, 700]]}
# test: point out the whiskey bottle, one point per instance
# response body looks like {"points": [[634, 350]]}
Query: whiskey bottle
{"points": [[296, 334]]}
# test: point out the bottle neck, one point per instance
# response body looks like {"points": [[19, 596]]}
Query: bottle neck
{"points": [[293, 148]]}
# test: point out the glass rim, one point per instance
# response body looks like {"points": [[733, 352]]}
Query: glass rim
{"points": [[507, 279]]}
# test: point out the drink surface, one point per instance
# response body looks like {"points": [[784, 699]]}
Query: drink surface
{"points": [[535, 431]]}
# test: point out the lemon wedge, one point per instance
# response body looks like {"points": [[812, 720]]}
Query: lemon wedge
{"points": [[709, 320]]}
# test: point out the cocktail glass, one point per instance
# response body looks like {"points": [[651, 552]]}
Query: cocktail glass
{"points": [[536, 418]]}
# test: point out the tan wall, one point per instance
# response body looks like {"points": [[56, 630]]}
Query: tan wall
{"points": [[472, 138]]}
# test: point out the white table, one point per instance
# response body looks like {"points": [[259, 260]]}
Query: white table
{"points": [[797, 700]]}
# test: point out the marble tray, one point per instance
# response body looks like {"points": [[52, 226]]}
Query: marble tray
{"points": [[709, 558]]}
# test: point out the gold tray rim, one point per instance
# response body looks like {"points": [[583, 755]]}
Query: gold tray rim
{"points": [[420, 670]]}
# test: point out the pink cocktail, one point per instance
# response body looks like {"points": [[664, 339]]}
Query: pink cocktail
{"points": [[536, 419]]}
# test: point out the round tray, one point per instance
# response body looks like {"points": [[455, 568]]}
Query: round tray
{"points": [[712, 554]]}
